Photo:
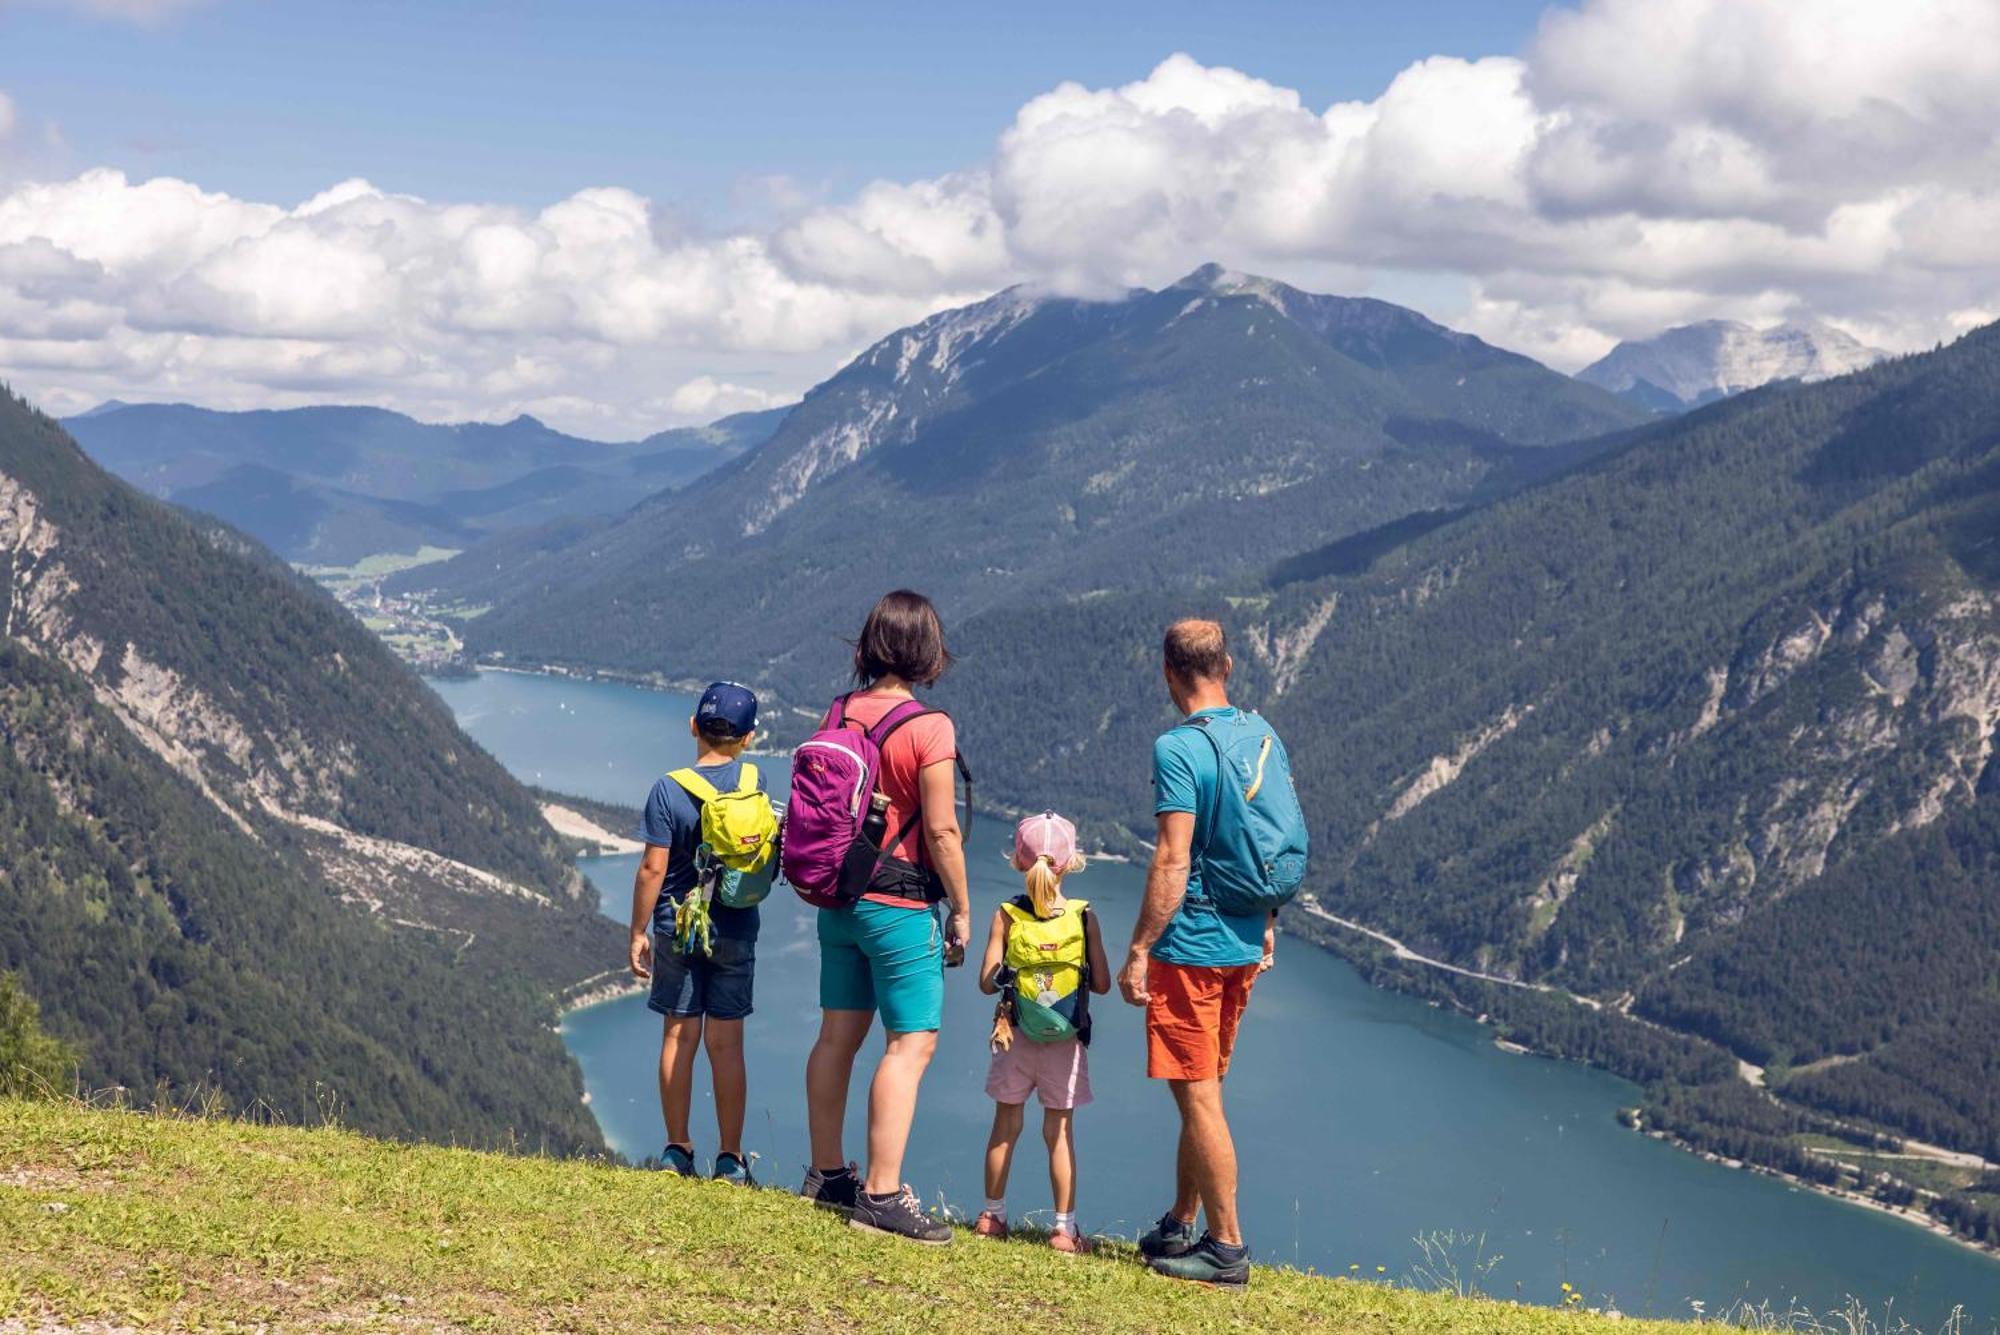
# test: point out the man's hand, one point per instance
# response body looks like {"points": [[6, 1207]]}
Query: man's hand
{"points": [[1132, 979], [1270, 945], [639, 954]]}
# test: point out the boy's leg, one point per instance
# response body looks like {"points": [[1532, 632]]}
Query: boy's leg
{"points": [[680, 1037], [1007, 1119], [724, 1041], [1057, 1132], [677, 997], [731, 971]]}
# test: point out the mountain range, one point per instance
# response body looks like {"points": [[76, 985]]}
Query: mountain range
{"points": [[247, 851], [1201, 430], [330, 486], [1696, 364]]}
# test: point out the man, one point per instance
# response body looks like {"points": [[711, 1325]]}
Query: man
{"points": [[1192, 966]]}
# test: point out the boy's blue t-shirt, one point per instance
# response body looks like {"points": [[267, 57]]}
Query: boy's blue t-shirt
{"points": [[1184, 779], [673, 821]]}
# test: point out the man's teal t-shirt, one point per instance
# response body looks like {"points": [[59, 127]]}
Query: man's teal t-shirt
{"points": [[1184, 779]]}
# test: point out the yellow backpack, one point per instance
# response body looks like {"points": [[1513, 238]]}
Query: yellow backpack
{"points": [[739, 836], [1047, 970]]}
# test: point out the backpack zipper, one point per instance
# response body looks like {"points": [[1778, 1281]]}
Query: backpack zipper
{"points": [[854, 803]]}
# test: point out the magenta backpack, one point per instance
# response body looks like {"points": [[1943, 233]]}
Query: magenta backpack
{"points": [[831, 850]]}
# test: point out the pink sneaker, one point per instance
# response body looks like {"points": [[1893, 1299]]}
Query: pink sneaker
{"points": [[986, 1226], [1072, 1244]]}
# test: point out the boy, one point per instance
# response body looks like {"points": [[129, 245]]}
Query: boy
{"points": [[703, 997]]}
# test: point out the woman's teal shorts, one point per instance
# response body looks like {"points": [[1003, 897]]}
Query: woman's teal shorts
{"points": [[883, 957]]}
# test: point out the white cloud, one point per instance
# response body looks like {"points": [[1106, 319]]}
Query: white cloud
{"points": [[706, 398], [1642, 162], [6, 116]]}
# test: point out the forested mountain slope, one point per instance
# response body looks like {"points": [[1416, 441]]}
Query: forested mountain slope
{"points": [[331, 485], [1706, 727], [244, 847], [1183, 433]]}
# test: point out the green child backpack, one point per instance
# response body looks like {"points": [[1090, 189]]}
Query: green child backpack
{"points": [[739, 836]]}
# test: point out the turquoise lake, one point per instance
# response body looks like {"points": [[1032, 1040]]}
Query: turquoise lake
{"points": [[1362, 1118]]}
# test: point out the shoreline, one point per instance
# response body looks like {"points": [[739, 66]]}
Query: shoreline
{"points": [[573, 824], [1918, 1218], [596, 990]]}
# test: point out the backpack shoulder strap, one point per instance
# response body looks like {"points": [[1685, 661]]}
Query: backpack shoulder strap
{"points": [[1200, 724], [896, 718], [696, 786], [836, 717], [746, 780]]}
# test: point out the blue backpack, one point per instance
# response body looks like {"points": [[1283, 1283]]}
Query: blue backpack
{"points": [[1255, 857]]}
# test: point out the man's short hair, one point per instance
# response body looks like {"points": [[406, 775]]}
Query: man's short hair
{"points": [[718, 730], [1197, 650]]}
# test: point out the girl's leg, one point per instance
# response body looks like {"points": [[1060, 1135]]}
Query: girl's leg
{"points": [[828, 1072], [680, 1038], [1058, 1133], [1007, 1119]]}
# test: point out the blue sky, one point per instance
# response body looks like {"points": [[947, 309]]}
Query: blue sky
{"points": [[689, 104], [621, 216]]}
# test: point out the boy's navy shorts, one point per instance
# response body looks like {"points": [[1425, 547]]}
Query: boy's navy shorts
{"points": [[716, 985]]}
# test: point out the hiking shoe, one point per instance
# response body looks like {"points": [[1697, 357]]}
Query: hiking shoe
{"points": [[679, 1160], [1169, 1237], [837, 1190], [1071, 1244], [986, 1226], [898, 1215], [733, 1168], [1207, 1262]]}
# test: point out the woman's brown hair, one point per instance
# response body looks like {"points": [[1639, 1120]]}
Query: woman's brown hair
{"points": [[902, 637]]}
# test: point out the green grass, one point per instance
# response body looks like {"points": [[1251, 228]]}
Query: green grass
{"points": [[152, 1221]]}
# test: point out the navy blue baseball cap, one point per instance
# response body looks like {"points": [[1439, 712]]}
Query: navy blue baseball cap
{"points": [[730, 703]]}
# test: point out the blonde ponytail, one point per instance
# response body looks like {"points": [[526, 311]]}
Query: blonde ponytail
{"points": [[1045, 882]]}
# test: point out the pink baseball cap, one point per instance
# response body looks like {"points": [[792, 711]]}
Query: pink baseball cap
{"points": [[1047, 835]]}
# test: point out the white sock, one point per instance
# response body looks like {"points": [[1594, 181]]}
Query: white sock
{"points": [[998, 1209], [1066, 1222]]}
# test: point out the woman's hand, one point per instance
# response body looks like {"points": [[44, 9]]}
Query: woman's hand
{"points": [[957, 934]]}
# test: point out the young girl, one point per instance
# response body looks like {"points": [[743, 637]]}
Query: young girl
{"points": [[1044, 957]]}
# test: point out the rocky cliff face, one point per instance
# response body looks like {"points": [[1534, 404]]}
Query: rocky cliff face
{"points": [[1695, 364], [248, 771]]}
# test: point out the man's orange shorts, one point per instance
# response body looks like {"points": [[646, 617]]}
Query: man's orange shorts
{"points": [[1192, 1017]]}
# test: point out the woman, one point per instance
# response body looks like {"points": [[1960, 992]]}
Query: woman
{"points": [[884, 952]]}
